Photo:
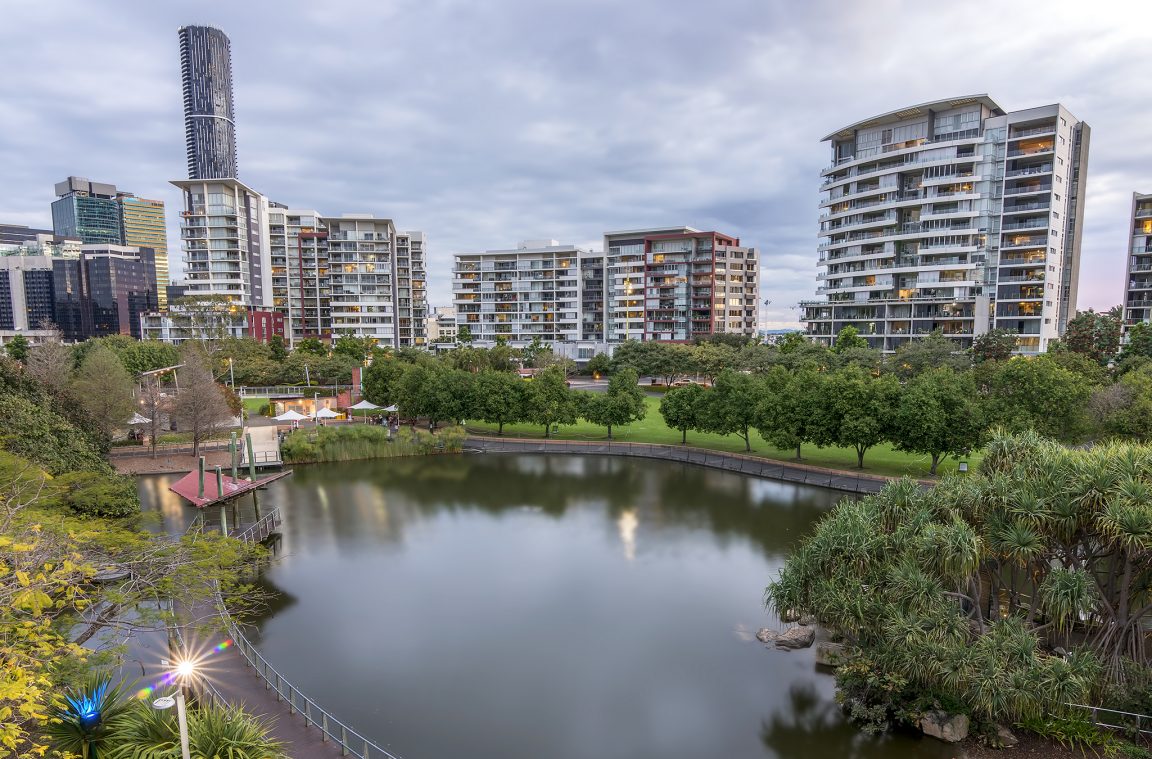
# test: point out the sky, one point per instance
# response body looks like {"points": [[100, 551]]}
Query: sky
{"points": [[486, 123]]}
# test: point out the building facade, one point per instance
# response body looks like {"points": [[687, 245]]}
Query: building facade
{"points": [[17, 234], [212, 320], [298, 243], [142, 225], [411, 289], [1138, 273], [209, 121], [441, 325], [954, 216], [88, 211]]}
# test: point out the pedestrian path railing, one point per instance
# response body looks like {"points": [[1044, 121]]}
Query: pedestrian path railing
{"points": [[260, 529], [351, 743], [1114, 719], [269, 391]]}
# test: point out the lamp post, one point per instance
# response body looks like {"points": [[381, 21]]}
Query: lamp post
{"points": [[184, 670], [231, 373]]}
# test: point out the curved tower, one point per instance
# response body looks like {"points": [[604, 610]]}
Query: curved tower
{"points": [[209, 128]]}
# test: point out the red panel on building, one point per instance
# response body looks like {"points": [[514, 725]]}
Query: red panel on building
{"points": [[262, 325]]}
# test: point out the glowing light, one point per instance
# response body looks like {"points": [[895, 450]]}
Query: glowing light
{"points": [[185, 668], [627, 524]]}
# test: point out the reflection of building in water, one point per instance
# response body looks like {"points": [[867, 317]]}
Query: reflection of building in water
{"points": [[628, 524]]}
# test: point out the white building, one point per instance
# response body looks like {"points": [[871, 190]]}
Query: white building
{"points": [[953, 215], [1138, 273], [440, 325], [298, 252]]}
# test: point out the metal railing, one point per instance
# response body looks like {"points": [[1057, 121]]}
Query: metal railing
{"points": [[264, 392], [260, 529], [1141, 723], [350, 742]]}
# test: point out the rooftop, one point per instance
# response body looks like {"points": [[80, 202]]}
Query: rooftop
{"points": [[912, 112]]}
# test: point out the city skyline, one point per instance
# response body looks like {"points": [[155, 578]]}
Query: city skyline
{"points": [[482, 126]]}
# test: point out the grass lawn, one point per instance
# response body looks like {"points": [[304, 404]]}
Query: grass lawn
{"points": [[254, 405], [881, 460]]}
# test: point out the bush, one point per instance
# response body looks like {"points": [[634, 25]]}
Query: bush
{"points": [[366, 441], [98, 494]]}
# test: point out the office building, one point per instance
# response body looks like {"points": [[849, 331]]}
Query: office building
{"points": [[222, 230], [16, 234], [103, 291], [521, 294], [88, 211], [142, 225], [1138, 272], [441, 325], [954, 216], [209, 124], [27, 295]]}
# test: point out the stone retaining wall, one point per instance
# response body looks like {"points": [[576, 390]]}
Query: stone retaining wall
{"points": [[733, 462]]}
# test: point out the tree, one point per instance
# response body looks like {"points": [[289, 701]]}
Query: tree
{"points": [[856, 410], [355, 348], [710, 359], [211, 319], [938, 414], [994, 345], [102, 384], [1094, 335], [18, 348], [731, 406], [1035, 393], [1139, 341], [468, 358], [599, 364], [1125, 408], [681, 408], [500, 398], [621, 405], [792, 341], [200, 408], [153, 406], [50, 362], [847, 339], [381, 381], [312, 346], [789, 408], [464, 334], [932, 351], [549, 401], [277, 348]]}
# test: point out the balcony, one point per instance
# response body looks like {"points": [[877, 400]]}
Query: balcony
{"points": [[1034, 131], [1024, 241], [1026, 189], [1029, 171]]}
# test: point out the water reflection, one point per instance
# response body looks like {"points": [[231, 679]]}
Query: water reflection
{"points": [[543, 606]]}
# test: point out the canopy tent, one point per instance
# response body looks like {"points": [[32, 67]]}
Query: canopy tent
{"points": [[137, 419], [364, 405], [290, 416], [393, 407], [326, 413]]}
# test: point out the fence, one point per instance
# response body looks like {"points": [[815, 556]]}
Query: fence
{"points": [[307, 390], [261, 529], [1125, 722]]}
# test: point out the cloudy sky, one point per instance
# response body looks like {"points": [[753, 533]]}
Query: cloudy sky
{"points": [[485, 123]]}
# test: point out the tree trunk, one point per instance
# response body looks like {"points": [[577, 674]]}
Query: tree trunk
{"points": [[797, 451], [860, 457], [747, 440], [935, 462], [684, 436], [609, 431], [500, 429], [547, 430]]}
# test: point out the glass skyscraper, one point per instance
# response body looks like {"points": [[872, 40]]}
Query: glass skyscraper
{"points": [[209, 128], [86, 210]]}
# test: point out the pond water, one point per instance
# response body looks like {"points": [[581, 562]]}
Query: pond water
{"points": [[545, 606]]}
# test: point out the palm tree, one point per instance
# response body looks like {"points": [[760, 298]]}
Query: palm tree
{"points": [[89, 715]]}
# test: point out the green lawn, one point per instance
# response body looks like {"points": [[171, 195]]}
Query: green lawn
{"points": [[254, 405], [881, 460]]}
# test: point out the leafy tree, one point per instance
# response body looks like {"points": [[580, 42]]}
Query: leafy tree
{"points": [[939, 414], [758, 358], [355, 348], [549, 401], [599, 364], [533, 351], [500, 398], [790, 342], [1125, 408], [17, 348], [381, 381], [1139, 341], [732, 406], [789, 408], [710, 359], [1093, 372], [277, 348], [1035, 393], [313, 346], [682, 407], [200, 408], [933, 351], [856, 410], [1094, 335], [868, 359], [847, 339], [468, 358], [464, 334], [994, 345], [102, 384], [50, 362], [808, 355], [621, 405]]}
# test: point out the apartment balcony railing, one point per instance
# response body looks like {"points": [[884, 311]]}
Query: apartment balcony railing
{"points": [[1029, 171], [1027, 189], [1033, 151], [1033, 131], [1034, 224], [1024, 242], [1027, 207]]}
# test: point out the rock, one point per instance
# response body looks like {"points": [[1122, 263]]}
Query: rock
{"points": [[1005, 738], [790, 615], [829, 654], [950, 728], [796, 637], [767, 635], [807, 620]]}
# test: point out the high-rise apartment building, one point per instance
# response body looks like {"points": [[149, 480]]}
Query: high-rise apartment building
{"points": [[298, 245], [517, 295], [411, 288], [209, 121], [954, 216], [142, 225], [1138, 273], [87, 211], [225, 251]]}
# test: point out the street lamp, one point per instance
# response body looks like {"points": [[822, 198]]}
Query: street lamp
{"points": [[184, 670], [231, 374]]}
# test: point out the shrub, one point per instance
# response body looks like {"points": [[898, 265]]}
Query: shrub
{"points": [[98, 494]]}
